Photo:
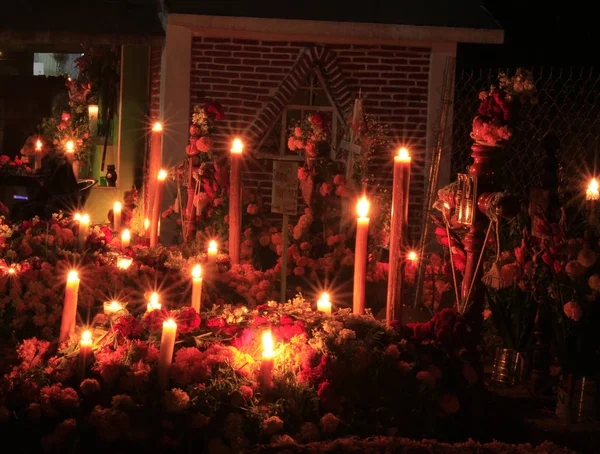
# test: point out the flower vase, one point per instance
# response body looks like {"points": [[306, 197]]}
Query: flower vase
{"points": [[510, 367]]}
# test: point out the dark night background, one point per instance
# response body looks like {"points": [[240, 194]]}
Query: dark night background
{"points": [[548, 33]]}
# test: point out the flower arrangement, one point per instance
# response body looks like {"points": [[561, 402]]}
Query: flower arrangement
{"points": [[203, 127], [69, 130], [16, 166], [493, 124]]}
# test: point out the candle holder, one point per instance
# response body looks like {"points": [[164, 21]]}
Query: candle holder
{"points": [[111, 175]]}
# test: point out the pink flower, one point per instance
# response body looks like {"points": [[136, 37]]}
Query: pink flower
{"points": [[573, 311], [252, 209], [246, 392], [302, 174], [339, 179], [325, 189], [292, 143], [299, 271], [65, 117], [297, 132]]}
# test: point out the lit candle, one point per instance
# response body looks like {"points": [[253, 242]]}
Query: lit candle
{"points": [[125, 239], [124, 262], [398, 232], [167, 345], [70, 150], [146, 226], [112, 307], [69, 314], [157, 202], [85, 346], [360, 256], [154, 161], [154, 303], [197, 288], [212, 256], [592, 192], [117, 207], [38, 155], [412, 256], [12, 271], [93, 119], [266, 366], [84, 230], [592, 197], [324, 305], [235, 201]]}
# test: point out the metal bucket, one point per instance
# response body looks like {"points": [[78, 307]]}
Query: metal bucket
{"points": [[510, 367]]}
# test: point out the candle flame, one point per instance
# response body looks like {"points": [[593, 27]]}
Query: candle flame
{"points": [[86, 337], [117, 206], [413, 256], [70, 146], [115, 306], [146, 224], [238, 146], [84, 219], [197, 272], [124, 262], [362, 207], [154, 298], [325, 297], [73, 276], [170, 323], [212, 246], [126, 235], [162, 175], [92, 109], [446, 205], [38, 145], [77, 217], [12, 270], [157, 126], [403, 154], [267, 342]]}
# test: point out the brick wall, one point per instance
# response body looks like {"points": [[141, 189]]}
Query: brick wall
{"points": [[246, 75]]}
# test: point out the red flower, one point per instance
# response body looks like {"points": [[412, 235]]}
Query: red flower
{"points": [[128, 326], [244, 339], [214, 110], [65, 117], [215, 322], [187, 320]]}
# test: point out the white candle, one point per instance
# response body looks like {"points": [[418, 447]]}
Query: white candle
{"points": [[167, 346], [157, 202], [70, 150], [93, 119], [154, 161], [117, 207], [324, 305], [267, 364], [85, 346], [360, 256], [146, 226], [84, 230], [212, 256], [69, 314], [592, 192], [125, 239], [38, 155], [197, 288], [154, 303]]}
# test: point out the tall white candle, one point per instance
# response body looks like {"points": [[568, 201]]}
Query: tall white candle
{"points": [[84, 230], [360, 256], [69, 314], [117, 207], [197, 288], [125, 239], [93, 119], [167, 346]]}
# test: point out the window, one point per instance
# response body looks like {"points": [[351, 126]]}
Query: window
{"points": [[310, 97], [55, 64]]}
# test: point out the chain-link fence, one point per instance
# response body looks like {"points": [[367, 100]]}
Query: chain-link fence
{"points": [[568, 106]]}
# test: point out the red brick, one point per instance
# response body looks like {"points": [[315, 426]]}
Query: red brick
{"points": [[226, 87], [246, 54], [419, 76], [229, 47], [216, 40], [228, 61], [201, 46], [270, 70], [217, 53], [246, 83], [279, 57], [255, 62], [257, 49], [225, 74], [241, 69], [245, 41]]}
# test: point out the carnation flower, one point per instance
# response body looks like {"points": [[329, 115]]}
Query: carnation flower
{"points": [[176, 401], [284, 439], [325, 189], [329, 423], [89, 386], [122, 401], [246, 392], [299, 271], [272, 425], [586, 257], [594, 282], [309, 432], [252, 209], [109, 423], [204, 144], [573, 311], [574, 269]]}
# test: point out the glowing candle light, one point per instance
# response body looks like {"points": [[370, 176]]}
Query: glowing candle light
{"points": [[167, 345], [412, 256], [93, 119], [77, 217], [125, 239], [124, 263], [117, 208], [360, 256], [146, 226], [154, 161], [154, 303], [158, 196], [592, 192], [112, 307], [324, 305], [266, 366], [235, 201], [197, 288], [84, 230], [85, 346], [398, 232], [212, 256], [12, 270], [38, 155], [69, 314]]}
